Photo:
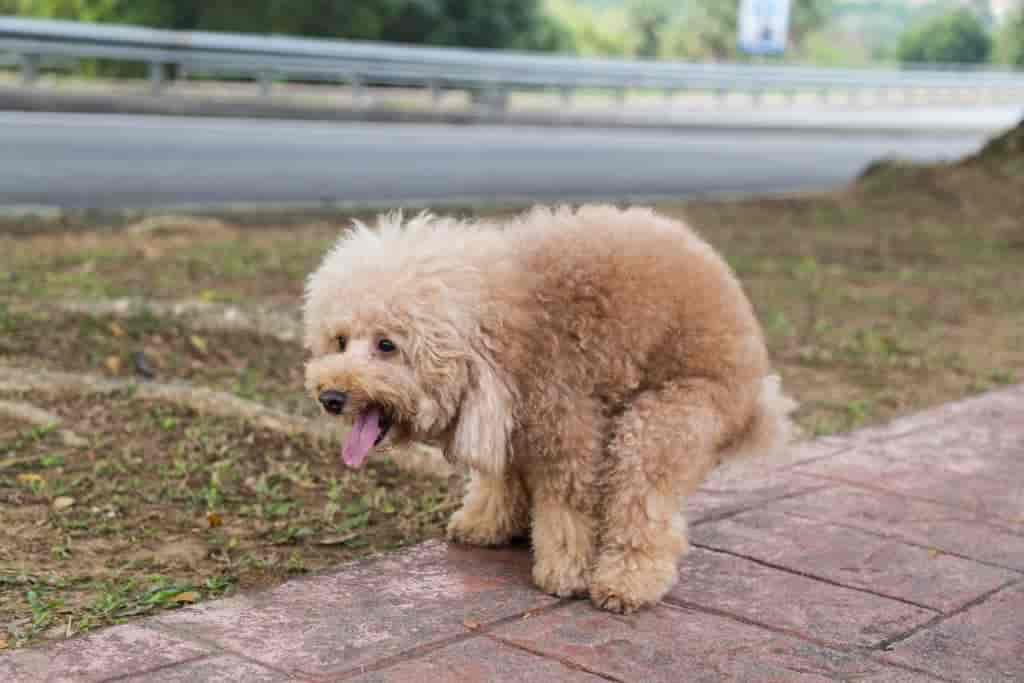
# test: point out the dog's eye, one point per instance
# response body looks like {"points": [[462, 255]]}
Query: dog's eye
{"points": [[386, 346], [342, 343]]}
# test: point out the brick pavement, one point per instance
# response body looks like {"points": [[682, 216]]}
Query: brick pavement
{"points": [[889, 554]]}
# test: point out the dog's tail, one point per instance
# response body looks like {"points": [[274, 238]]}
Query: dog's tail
{"points": [[770, 429]]}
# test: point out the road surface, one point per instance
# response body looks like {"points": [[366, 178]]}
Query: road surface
{"points": [[82, 161]]}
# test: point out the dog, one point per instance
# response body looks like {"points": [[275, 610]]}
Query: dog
{"points": [[588, 367]]}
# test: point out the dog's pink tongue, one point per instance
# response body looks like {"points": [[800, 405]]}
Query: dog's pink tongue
{"points": [[362, 437]]}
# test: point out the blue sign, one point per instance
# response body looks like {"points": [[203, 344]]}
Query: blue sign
{"points": [[763, 26]]}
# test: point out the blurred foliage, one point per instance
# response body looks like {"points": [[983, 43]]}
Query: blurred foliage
{"points": [[958, 37], [701, 30], [593, 32], [471, 23], [822, 32], [646, 20], [1010, 41]]}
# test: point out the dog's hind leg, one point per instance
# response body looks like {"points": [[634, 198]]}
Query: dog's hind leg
{"points": [[662, 447], [494, 511]]}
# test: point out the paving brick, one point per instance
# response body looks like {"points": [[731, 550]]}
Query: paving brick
{"points": [[854, 558], [369, 610], [223, 669], [724, 497], [783, 600], [666, 644], [976, 468], [480, 660], [976, 423], [1001, 404], [749, 483], [121, 650], [982, 644], [959, 531]]}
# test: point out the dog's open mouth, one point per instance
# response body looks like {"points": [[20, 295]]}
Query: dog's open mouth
{"points": [[370, 428]]}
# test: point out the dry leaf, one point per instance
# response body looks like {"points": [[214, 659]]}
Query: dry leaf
{"points": [[187, 597], [338, 540], [4, 644], [113, 364], [471, 624], [933, 553], [214, 520], [198, 343], [30, 478], [116, 329], [62, 503]]}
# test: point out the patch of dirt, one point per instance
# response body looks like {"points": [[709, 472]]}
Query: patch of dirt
{"points": [[249, 365], [162, 499]]}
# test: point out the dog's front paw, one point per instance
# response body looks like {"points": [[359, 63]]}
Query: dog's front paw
{"points": [[616, 599], [482, 531], [560, 577], [623, 591]]}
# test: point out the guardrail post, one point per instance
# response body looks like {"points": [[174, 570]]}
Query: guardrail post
{"points": [[358, 90], [620, 97], [435, 93], [565, 95], [266, 83], [29, 69], [497, 98], [156, 77]]}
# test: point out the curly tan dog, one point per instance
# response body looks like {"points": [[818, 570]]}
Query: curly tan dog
{"points": [[590, 367]]}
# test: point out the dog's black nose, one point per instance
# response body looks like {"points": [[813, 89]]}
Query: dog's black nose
{"points": [[333, 401]]}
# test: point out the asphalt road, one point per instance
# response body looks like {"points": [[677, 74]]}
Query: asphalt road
{"points": [[107, 162]]}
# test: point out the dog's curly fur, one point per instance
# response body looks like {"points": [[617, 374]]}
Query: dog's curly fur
{"points": [[589, 366]]}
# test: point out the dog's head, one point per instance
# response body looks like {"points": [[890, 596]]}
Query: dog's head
{"points": [[392, 326]]}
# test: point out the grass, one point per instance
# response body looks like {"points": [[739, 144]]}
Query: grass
{"points": [[900, 293], [158, 507]]}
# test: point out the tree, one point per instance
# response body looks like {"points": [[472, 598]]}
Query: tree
{"points": [[806, 18], [956, 37], [593, 32], [706, 31], [470, 23], [1010, 44], [647, 20]]}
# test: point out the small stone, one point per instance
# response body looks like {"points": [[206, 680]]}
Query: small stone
{"points": [[143, 368], [72, 440], [62, 503]]}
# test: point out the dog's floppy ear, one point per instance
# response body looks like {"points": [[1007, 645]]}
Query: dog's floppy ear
{"points": [[481, 435]]}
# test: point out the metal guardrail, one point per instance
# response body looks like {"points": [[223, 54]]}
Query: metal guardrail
{"points": [[267, 59]]}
